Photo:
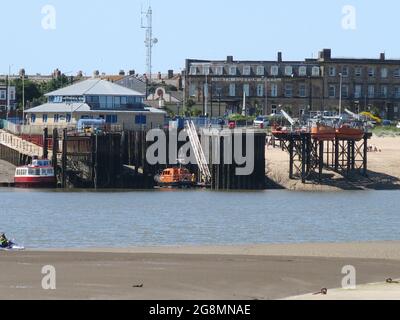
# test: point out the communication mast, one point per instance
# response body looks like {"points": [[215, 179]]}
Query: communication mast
{"points": [[150, 41]]}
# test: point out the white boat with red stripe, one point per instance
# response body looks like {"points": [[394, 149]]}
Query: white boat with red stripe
{"points": [[39, 174]]}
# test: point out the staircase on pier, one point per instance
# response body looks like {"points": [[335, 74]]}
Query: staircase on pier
{"points": [[198, 152]]}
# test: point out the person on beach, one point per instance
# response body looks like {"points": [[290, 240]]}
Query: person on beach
{"points": [[4, 243]]}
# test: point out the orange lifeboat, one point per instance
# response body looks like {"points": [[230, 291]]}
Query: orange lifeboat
{"points": [[176, 177], [323, 132], [346, 132]]}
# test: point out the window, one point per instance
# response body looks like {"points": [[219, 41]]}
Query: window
{"points": [[33, 118], [274, 90], [246, 70], [260, 90], [345, 71], [397, 92], [345, 91], [192, 90], [206, 70], [315, 72], [303, 71], [3, 94], [396, 73], [358, 91], [111, 118], [12, 94], [371, 72], [117, 102], [288, 90], [384, 73], [288, 71], [68, 118], [371, 91], [232, 90], [302, 90], [246, 89], [384, 91], [232, 71], [332, 71], [193, 71], [56, 118], [274, 109], [260, 70], [332, 91], [141, 119], [358, 72], [44, 118], [219, 71], [274, 70]]}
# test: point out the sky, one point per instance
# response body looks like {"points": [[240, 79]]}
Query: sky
{"points": [[106, 35]]}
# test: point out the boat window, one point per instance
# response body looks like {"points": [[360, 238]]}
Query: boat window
{"points": [[34, 172]]}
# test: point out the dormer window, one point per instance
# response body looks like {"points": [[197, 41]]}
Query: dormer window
{"points": [[206, 70], [260, 70], [232, 71], [288, 71], [246, 70], [219, 70], [315, 72], [274, 70], [193, 71], [303, 71]]}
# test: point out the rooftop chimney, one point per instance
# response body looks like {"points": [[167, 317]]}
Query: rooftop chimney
{"points": [[383, 56], [170, 74], [121, 72], [229, 59], [279, 56], [325, 55]]}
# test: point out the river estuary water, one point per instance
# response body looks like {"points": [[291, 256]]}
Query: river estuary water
{"points": [[55, 219]]}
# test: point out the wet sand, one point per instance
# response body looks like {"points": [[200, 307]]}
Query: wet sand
{"points": [[248, 272]]}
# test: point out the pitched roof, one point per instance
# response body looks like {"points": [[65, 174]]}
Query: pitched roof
{"points": [[83, 107], [60, 107], [94, 87]]}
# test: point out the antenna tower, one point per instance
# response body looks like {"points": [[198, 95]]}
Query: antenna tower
{"points": [[150, 41]]}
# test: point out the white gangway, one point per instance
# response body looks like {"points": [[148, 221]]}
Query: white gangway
{"points": [[198, 152]]}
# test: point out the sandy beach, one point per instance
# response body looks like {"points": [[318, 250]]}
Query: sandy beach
{"points": [[383, 170], [242, 272]]}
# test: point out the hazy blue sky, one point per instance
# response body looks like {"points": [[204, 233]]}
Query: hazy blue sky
{"points": [[106, 35]]}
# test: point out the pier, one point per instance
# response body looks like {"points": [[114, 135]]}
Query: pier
{"points": [[309, 156]]}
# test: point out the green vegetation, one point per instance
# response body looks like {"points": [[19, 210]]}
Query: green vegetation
{"points": [[239, 117], [35, 91], [382, 131]]}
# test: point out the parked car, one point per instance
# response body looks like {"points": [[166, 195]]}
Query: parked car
{"points": [[386, 123], [398, 126], [261, 122]]}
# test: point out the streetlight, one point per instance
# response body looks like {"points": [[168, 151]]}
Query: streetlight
{"points": [[340, 95], [8, 91]]}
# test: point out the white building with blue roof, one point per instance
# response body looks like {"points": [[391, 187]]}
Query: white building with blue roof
{"points": [[96, 99]]}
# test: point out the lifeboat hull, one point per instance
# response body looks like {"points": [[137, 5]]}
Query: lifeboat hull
{"points": [[323, 133], [350, 134], [35, 182]]}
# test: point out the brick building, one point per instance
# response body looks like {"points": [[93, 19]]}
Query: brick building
{"points": [[4, 98], [296, 86]]}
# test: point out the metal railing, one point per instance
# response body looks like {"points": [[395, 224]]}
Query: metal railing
{"points": [[198, 151], [14, 142]]}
